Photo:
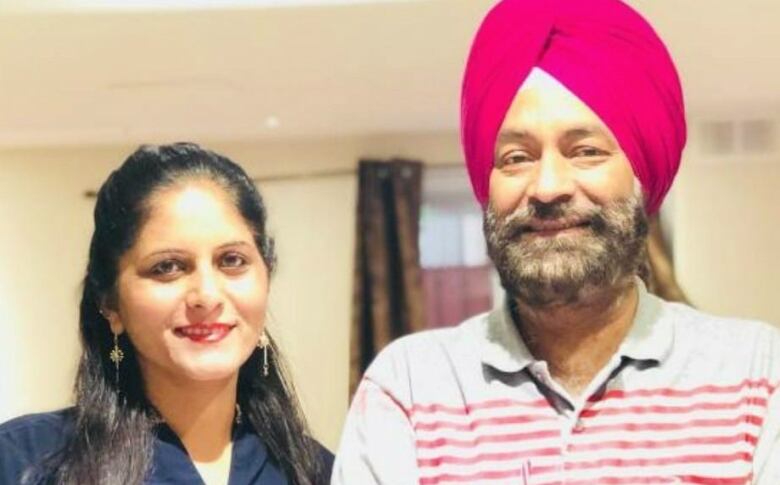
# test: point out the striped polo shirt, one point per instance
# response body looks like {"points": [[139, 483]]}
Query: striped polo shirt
{"points": [[687, 398]]}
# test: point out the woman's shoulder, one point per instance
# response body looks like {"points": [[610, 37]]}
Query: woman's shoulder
{"points": [[326, 461], [26, 440], [38, 422]]}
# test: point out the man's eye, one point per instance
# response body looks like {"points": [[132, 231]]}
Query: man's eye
{"points": [[514, 158], [589, 152], [233, 260], [167, 267]]}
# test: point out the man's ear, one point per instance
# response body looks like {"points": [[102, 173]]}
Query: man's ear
{"points": [[639, 191]]}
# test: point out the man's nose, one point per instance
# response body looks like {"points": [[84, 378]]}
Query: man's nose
{"points": [[553, 181]]}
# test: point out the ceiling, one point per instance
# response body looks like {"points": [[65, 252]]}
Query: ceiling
{"points": [[89, 72]]}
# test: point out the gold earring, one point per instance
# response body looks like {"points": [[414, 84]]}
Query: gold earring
{"points": [[116, 355], [263, 344]]}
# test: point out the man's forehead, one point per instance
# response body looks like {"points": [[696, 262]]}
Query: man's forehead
{"points": [[515, 133], [539, 79], [544, 100]]}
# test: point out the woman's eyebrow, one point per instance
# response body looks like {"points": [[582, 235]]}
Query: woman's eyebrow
{"points": [[234, 243]]}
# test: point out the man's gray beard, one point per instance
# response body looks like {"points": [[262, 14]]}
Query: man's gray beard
{"points": [[564, 269]]}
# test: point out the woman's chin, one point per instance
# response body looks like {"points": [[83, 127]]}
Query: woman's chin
{"points": [[209, 364], [211, 370]]}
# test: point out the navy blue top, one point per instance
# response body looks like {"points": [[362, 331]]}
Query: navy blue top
{"points": [[26, 440]]}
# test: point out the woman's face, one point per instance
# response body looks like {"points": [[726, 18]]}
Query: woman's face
{"points": [[192, 290]]}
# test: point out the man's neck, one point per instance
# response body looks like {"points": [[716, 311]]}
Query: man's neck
{"points": [[578, 340]]}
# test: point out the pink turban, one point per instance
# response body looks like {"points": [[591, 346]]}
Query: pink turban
{"points": [[601, 50]]}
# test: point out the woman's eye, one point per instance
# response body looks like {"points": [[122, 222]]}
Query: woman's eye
{"points": [[168, 267], [233, 260]]}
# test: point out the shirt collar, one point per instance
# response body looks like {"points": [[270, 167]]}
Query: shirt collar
{"points": [[172, 463], [502, 347], [651, 336]]}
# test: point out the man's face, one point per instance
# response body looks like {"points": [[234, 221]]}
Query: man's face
{"points": [[565, 214]]}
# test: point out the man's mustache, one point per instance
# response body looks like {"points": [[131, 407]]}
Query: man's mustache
{"points": [[555, 216]]}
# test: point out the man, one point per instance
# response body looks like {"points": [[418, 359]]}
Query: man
{"points": [[573, 127]]}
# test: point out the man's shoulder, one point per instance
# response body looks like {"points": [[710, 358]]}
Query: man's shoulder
{"points": [[708, 325], [428, 354], [750, 344], [434, 343]]}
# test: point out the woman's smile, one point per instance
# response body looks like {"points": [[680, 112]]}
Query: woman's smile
{"points": [[205, 333]]}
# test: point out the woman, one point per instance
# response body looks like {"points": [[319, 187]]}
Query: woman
{"points": [[178, 380]]}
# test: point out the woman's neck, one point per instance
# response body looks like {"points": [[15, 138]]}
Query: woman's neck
{"points": [[200, 413]]}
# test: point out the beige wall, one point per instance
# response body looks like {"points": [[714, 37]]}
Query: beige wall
{"points": [[45, 226], [313, 223], [725, 238]]}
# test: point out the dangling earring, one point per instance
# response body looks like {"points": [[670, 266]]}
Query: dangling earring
{"points": [[263, 344], [116, 355]]}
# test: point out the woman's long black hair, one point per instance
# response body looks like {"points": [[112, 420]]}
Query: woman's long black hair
{"points": [[112, 435]]}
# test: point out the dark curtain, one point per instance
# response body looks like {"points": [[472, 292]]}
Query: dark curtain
{"points": [[388, 297]]}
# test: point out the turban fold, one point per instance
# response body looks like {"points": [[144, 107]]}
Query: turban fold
{"points": [[602, 51]]}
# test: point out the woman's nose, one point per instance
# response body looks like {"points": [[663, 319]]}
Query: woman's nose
{"points": [[204, 293]]}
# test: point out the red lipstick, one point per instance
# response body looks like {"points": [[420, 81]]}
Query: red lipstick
{"points": [[204, 332]]}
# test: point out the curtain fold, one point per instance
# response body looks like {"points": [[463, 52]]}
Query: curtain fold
{"points": [[388, 297], [659, 276]]}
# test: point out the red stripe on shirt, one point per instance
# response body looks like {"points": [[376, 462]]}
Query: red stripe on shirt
{"points": [[670, 392], [693, 423], [492, 457], [554, 451], [655, 445], [659, 479], [650, 462], [477, 423], [620, 427], [470, 408], [699, 406], [482, 475], [496, 438]]}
